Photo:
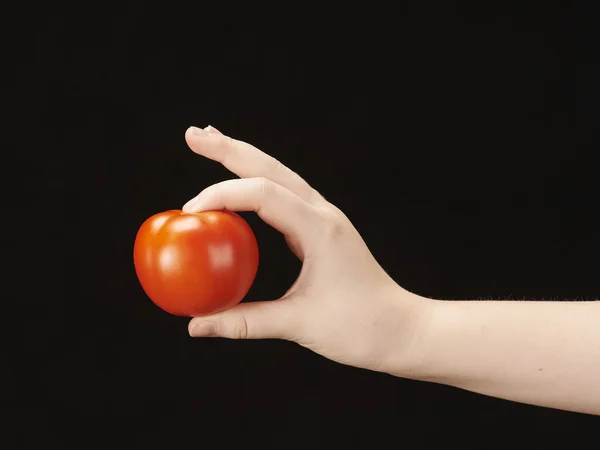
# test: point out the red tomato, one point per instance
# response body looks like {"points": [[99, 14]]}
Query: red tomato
{"points": [[195, 264]]}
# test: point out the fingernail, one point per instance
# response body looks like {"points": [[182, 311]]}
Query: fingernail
{"points": [[212, 130], [191, 204], [197, 131], [203, 329]]}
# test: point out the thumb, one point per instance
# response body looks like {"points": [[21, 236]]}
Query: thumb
{"points": [[257, 320]]}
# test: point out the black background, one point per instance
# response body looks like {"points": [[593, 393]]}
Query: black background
{"points": [[459, 141]]}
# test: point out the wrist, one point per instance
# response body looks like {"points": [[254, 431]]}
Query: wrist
{"points": [[444, 346], [408, 350], [423, 361]]}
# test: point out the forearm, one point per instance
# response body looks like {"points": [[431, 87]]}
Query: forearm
{"points": [[541, 353]]}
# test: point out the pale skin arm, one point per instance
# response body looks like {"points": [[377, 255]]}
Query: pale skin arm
{"points": [[345, 307], [543, 353]]}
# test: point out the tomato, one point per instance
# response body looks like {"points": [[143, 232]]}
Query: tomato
{"points": [[195, 264]]}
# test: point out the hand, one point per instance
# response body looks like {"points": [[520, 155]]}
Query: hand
{"points": [[343, 305]]}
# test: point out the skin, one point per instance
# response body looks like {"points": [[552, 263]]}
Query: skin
{"points": [[345, 307]]}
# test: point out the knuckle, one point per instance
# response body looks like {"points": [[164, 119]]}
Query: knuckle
{"points": [[266, 186], [281, 171], [316, 196], [230, 142], [333, 223], [278, 166], [230, 149], [241, 327]]}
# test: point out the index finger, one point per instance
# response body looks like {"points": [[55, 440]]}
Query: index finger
{"points": [[247, 161], [276, 205]]}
